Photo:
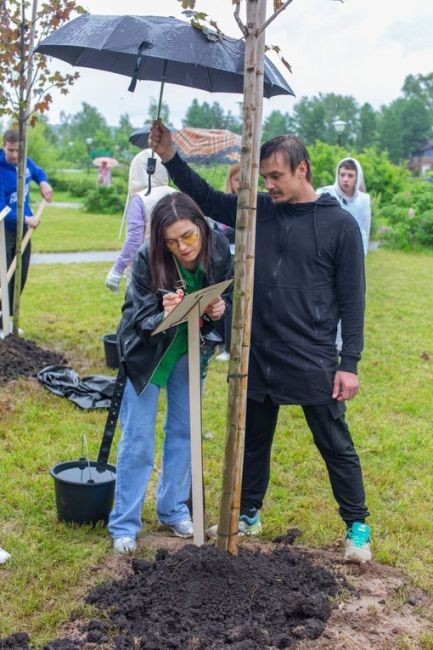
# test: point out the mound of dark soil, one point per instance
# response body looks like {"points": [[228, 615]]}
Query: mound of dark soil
{"points": [[19, 358], [203, 599]]}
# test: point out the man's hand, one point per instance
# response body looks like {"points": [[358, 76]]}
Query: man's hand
{"points": [[346, 386], [215, 310], [46, 191], [32, 222], [161, 142]]}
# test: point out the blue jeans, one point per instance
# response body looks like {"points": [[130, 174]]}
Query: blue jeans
{"points": [[135, 457]]}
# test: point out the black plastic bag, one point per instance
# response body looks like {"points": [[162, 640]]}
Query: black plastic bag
{"points": [[90, 392]]}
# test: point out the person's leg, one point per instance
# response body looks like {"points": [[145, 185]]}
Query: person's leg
{"points": [[332, 437], [25, 263], [11, 237], [174, 483], [261, 421], [134, 459]]}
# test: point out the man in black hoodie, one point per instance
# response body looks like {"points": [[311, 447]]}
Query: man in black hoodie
{"points": [[309, 273]]}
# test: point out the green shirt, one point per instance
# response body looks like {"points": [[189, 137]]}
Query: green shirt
{"points": [[179, 345]]}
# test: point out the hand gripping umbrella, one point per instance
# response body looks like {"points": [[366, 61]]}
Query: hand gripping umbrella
{"points": [[158, 48]]}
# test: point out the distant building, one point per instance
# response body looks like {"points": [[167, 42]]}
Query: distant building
{"points": [[422, 159]]}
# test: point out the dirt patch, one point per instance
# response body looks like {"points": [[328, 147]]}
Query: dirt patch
{"points": [[22, 358], [270, 596]]}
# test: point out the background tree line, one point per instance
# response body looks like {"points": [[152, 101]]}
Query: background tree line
{"points": [[398, 128]]}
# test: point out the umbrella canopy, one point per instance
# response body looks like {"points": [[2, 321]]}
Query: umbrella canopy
{"points": [[157, 48], [111, 162], [204, 146], [200, 146], [140, 138]]}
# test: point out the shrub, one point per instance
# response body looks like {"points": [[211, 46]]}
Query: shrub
{"points": [[104, 199], [76, 186], [424, 229]]}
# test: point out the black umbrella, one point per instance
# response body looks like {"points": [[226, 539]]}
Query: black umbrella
{"points": [[140, 138], [158, 48]]}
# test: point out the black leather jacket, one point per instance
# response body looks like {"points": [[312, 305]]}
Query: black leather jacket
{"points": [[142, 312]]}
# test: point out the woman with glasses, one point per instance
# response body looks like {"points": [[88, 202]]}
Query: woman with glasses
{"points": [[182, 256]]}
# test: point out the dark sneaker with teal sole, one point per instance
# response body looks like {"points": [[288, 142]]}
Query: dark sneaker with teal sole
{"points": [[357, 547], [247, 526]]}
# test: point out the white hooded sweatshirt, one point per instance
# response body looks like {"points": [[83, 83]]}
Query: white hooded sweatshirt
{"points": [[358, 205]]}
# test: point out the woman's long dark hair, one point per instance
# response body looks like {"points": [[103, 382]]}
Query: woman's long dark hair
{"points": [[174, 207]]}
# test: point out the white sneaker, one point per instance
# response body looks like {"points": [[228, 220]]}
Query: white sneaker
{"points": [[4, 556], [182, 528], [124, 545], [223, 356]]}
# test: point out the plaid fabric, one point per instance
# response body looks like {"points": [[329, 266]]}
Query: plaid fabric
{"points": [[203, 146]]}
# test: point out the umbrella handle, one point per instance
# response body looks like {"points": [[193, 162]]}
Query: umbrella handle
{"points": [[150, 170]]}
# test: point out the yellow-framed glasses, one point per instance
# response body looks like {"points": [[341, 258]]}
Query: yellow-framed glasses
{"points": [[188, 238]]}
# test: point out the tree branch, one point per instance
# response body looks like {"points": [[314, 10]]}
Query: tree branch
{"points": [[242, 27], [274, 15]]}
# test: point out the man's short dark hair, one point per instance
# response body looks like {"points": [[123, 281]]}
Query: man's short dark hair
{"points": [[293, 149], [11, 135], [348, 163]]}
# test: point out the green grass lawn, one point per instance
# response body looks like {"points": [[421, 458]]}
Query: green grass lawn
{"points": [[70, 229], [67, 307]]}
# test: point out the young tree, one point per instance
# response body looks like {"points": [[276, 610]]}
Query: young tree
{"points": [[254, 32], [26, 80]]}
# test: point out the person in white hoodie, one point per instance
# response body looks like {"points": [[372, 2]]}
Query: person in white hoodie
{"points": [[137, 213], [349, 190]]}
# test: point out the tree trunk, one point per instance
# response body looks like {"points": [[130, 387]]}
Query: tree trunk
{"points": [[26, 65], [244, 278]]}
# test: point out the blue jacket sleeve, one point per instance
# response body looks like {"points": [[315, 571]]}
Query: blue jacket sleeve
{"points": [[37, 173]]}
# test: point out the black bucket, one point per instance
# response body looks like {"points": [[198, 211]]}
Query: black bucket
{"points": [[110, 349], [83, 495]]}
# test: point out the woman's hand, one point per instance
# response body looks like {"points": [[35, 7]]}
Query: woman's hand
{"points": [[215, 310], [170, 300]]}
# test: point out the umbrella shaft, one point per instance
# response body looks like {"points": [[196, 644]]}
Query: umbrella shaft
{"points": [[161, 90]]}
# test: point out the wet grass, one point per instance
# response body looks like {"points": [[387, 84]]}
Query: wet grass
{"points": [[67, 307], [70, 230]]}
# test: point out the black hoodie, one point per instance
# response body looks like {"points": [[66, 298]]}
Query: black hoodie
{"points": [[309, 273]]}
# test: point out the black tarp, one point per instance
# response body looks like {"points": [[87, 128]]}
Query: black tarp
{"points": [[92, 392]]}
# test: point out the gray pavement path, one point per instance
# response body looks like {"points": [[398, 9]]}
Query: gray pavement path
{"points": [[64, 204], [74, 258], [102, 256]]}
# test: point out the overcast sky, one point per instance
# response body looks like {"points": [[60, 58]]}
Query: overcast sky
{"points": [[363, 48]]}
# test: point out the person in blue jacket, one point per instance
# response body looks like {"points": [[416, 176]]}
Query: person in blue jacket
{"points": [[8, 197]]}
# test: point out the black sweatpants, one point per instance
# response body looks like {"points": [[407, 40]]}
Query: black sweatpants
{"points": [[331, 436], [11, 237]]}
